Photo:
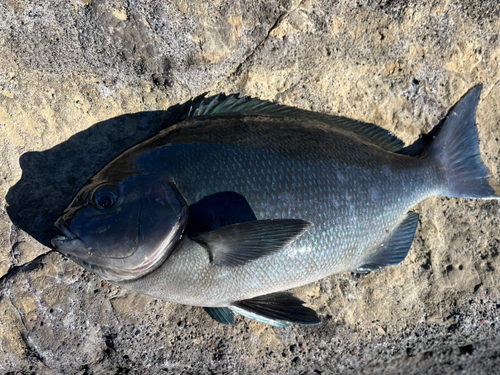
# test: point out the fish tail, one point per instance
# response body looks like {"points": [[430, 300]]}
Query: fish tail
{"points": [[457, 148]]}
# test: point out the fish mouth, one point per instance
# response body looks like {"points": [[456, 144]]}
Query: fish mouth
{"points": [[68, 234], [68, 241]]}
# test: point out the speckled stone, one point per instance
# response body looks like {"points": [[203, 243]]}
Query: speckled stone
{"points": [[81, 81]]}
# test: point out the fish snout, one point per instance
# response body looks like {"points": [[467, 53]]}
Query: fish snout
{"points": [[68, 243]]}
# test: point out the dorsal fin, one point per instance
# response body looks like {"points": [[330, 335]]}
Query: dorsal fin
{"points": [[233, 105]]}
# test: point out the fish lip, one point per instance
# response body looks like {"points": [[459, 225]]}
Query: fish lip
{"points": [[67, 240], [67, 246], [59, 224], [59, 240]]}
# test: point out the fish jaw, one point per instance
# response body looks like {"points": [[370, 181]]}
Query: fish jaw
{"points": [[67, 245]]}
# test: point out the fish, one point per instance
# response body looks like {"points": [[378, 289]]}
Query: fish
{"points": [[246, 199]]}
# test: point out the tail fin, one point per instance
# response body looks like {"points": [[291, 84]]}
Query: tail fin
{"points": [[457, 147]]}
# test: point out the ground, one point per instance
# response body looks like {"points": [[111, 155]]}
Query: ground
{"points": [[83, 80]]}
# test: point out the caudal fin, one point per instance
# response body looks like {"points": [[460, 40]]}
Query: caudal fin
{"points": [[457, 147]]}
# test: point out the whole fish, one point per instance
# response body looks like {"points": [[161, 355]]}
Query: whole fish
{"points": [[246, 199]]}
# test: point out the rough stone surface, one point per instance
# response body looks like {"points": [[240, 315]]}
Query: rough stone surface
{"points": [[83, 80]]}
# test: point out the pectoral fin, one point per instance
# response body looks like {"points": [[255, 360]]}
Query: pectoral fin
{"points": [[238, 244], [394, 250], [278, 309], [222, 314]]}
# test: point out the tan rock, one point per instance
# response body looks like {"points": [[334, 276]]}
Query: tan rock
{"points": [[73, 77]]}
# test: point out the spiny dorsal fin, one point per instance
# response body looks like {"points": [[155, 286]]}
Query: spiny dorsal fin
{"points": [[233, 105], [394, 250], [238, 244], [278, 309]]}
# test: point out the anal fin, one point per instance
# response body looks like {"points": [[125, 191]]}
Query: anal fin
{"points": [[394, 250], [278, 309], [222, 314]]}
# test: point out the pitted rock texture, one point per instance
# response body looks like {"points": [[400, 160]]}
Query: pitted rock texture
{"points": [[81, 81]]}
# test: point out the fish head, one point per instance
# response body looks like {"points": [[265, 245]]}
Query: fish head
{"points": [[122, 230]]}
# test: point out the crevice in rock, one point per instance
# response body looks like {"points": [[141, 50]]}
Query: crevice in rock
{"points": [[25, 267], [31, 349], [12, 233], [278, 22]]}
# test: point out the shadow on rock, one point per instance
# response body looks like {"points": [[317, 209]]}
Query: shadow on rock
{"points": [[51, 178]]}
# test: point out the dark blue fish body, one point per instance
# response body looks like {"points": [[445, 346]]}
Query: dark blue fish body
{"points": [[355, 194], [346, 178]]}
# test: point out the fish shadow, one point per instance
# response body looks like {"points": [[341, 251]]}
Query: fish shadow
{"points": [[50, 179]]}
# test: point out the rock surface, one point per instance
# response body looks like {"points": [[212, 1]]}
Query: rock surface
{"points": [[82, 81]]}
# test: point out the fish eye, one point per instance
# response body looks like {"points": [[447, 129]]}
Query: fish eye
{"points": [[105, 197]]}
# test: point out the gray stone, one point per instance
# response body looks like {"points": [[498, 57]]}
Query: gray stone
{"points": [[82, 81]]}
